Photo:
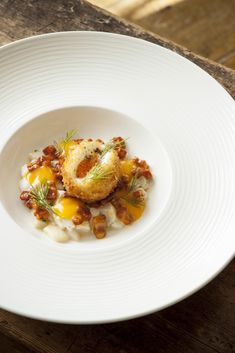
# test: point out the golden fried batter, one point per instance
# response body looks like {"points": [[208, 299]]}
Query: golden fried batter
{"points": [[100, 180]]}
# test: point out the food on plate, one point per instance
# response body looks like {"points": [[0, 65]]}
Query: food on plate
{"points": [[78, 186], [91, 171]]}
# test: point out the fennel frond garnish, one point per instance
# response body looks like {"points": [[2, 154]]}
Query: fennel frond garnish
{"points": [[111, 145], [132, 185], [97, 172], [134, 201], [39, 195], [131, 197], [60, 145]]}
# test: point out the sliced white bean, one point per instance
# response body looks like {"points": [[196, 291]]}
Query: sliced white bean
{"points": [[39, 224], [24, 170], [54, 163], [83, 228], [60, 193], [109, 212], [62, 223], [94, 211], [74, 234], [56, 234], [143, 183], [24, 185], [117, 224], [35, 155]]}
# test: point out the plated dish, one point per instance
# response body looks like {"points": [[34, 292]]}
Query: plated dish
{"points": [[75, 186], [178, 119]]}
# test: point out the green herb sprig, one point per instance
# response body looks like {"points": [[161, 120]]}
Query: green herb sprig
{"points": [[59, 145], [134, 201], [39, 195], [130, 197], [111, 145], [97, 172], [132, 185]]}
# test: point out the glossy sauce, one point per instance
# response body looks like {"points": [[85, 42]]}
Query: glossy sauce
{"points": [[40, 174], [67, 207], [127, 168], [136, 211], [68, 146], [85, 165]]}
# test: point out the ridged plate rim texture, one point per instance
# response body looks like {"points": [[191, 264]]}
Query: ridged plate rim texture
{"points": [[192, 240]]}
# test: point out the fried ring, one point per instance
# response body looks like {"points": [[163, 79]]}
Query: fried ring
{"points": [[93, 186]]}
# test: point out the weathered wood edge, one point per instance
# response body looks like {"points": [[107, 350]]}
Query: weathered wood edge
{"points": [[110, 23], [22, 21], [223, 75]]}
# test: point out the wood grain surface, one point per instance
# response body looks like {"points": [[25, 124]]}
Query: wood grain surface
{"points": [[134, 9], [207, 27], [202, 323]]}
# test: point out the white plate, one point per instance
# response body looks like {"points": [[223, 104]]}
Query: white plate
{"points": [[177, 117]]}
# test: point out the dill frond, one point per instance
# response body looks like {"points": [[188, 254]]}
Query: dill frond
{"points": [[133, 186], [111, 145], [134, 201], [39, 195], [60, 145], [97, 173]]}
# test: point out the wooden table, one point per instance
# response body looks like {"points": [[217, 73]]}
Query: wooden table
{"points": [[207, 27], [204, 322]]}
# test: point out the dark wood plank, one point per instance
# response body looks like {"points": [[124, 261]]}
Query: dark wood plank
{"points": [[207, 27], [23, 18], [11, 346], [150, 335], [202, 323]]}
